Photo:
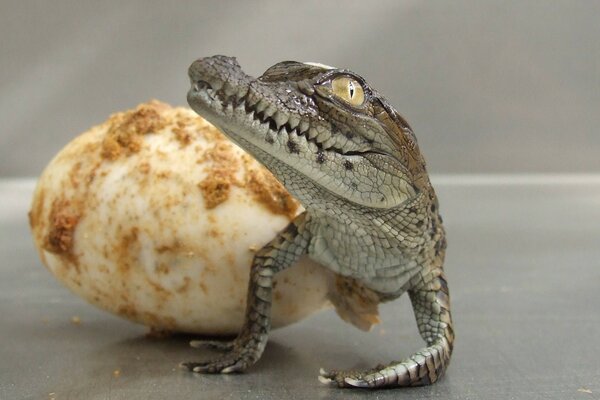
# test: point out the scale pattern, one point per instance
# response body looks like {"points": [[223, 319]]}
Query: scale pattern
{"points": [[371, 212]]}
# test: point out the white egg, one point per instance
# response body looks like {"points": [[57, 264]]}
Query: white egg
{"points": [[155, 216]]}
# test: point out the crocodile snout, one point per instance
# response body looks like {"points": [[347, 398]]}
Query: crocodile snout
{"points": [[213, 72]]}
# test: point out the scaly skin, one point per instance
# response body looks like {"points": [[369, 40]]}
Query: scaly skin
{"points": [[371, 213]]}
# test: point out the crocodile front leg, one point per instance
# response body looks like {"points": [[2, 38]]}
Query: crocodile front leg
{"points": [[431, 304], [248, 347]]}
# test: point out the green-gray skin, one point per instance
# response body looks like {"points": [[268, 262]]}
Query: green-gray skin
{"points": [[371, 212]]}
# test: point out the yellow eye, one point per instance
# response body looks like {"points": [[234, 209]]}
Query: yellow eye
{"points": [[348, 90]]}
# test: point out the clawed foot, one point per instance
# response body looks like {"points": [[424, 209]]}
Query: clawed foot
{"points": [[237, 358], [229, 363], [361, 379]]}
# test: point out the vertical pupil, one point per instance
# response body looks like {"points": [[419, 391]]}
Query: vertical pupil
{"points": [[351, 89]]}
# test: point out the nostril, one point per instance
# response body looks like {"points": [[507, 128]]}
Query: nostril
{"points": [[201, 85]]}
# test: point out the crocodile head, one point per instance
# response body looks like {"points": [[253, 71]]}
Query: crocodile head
{"points": [[312, 123]]}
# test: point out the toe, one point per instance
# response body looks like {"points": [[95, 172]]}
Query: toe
{"points": [[356, 382], [190, 366]]}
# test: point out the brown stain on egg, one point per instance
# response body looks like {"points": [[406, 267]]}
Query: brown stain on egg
{"points": [[222, 165], [182, 134], [63, 220], [125, 129], [268, 191], [126, 250], [74, 175], [184, 286], [159, 290], [215, 189], [203, 287], [187, 128], [55, 215], [144, 167]]}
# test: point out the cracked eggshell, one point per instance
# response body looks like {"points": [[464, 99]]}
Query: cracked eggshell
{"points": [[155, 216]]}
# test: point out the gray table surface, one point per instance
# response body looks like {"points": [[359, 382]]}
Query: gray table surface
{"points": [[524, 272]]}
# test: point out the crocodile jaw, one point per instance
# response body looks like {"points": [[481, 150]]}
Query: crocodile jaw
{"points": [[281, 122]]}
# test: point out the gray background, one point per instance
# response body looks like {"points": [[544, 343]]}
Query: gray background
{"points": [[488, 86]]}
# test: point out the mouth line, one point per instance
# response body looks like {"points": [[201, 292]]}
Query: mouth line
{"points": [[264, 112]]}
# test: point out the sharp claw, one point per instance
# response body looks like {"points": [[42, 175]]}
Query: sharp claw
{"points": [[235, 360], [202, 368], [222, 366], [356, 382], [193, 366], [190, 366], [326, 381], [184, 365]]}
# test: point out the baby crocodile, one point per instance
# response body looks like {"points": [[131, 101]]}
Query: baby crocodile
{"points": [[371, 213]]}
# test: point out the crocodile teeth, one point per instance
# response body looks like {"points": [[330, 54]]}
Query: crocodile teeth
{"points": [[270, 136], [312, 147], [228, 89], [261, 105], [266, 117], [303, 126], [280, 118], [251, 100], [217, 103], [240, 104], [242, 92], [293, 135], [293, 121], [270, 110]]}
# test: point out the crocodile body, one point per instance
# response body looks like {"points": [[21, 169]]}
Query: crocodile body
{"points": [[371, 213]]}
